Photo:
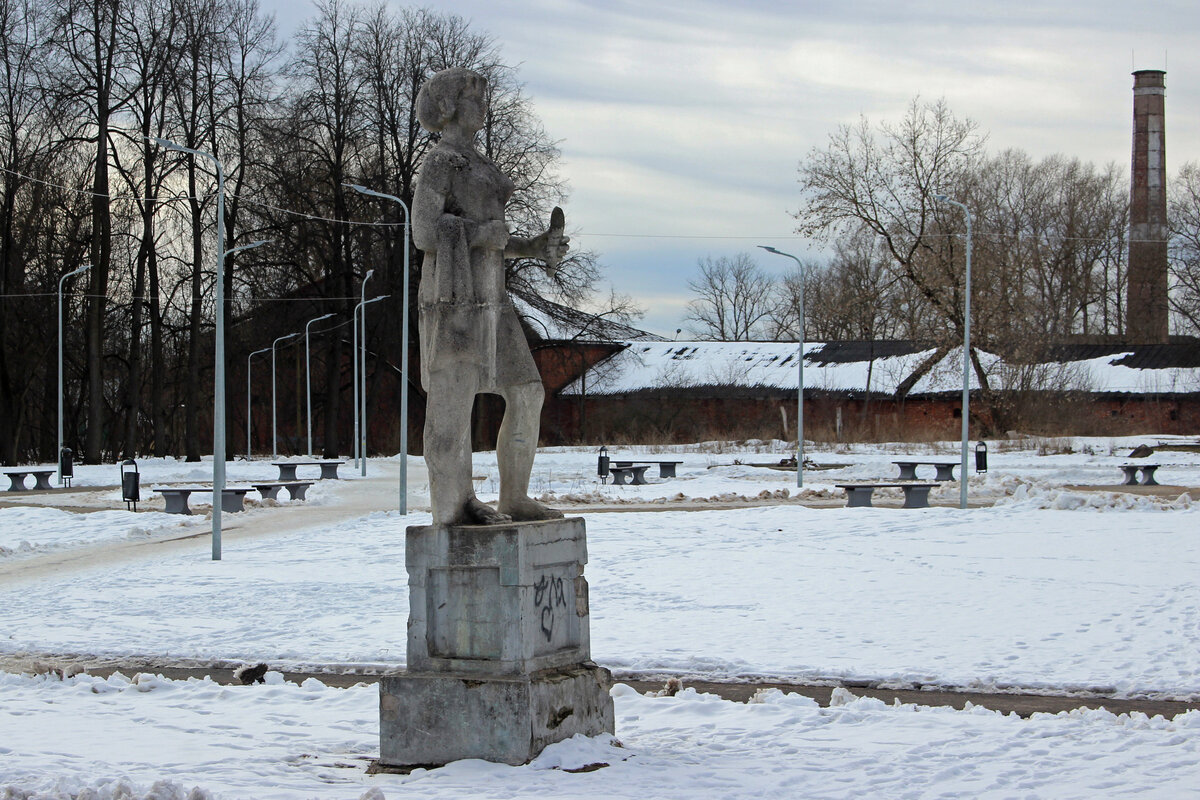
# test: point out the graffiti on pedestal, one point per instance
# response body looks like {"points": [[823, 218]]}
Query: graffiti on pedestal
{"points": [[548, 596]]}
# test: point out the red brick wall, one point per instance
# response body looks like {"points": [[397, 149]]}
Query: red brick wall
{"points": [[620, 419]]}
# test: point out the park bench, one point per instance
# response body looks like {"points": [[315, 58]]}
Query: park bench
{"points": [[270, 490], [329, 468], [908, 469], [637, 475], [666, 469], [176, 498], [16, 478], [858, 495], [1131, 471]]}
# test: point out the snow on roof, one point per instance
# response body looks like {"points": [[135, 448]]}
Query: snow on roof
{"points": [[644, 365]]}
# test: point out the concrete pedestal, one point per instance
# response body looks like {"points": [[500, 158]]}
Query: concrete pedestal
{"points": [[428, 719], [499, 652]]}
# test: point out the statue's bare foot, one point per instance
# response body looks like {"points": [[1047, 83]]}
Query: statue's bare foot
{"points": [[526, 510], [478, 513]]}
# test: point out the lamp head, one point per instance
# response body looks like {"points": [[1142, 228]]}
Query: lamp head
{"points": [[941, 198], [770, 249]]}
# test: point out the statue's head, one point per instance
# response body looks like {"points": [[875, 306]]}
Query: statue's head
{"points": [[440, 99]]}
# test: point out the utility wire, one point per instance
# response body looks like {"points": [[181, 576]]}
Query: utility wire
{"points": [[317, 218]]}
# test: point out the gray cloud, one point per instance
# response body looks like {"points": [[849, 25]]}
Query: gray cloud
{"points": [[689, 117]]}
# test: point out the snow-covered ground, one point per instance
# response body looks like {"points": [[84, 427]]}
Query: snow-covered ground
{"points": [[1044, 588]]}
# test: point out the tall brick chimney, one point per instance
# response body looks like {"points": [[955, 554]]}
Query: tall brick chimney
{"points": [[1146, 306]]}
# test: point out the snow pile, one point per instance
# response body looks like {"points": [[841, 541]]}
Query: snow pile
{"points": [[1028, 496], [86, 738]]}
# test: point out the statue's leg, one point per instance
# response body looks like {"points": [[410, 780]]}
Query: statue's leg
{"points": [[448, 451], [515, 448]]}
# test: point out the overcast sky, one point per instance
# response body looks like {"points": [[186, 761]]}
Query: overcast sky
{"points": [[682, 122]]}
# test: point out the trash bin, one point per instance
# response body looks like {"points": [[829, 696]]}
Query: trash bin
{"points": [[602, 464], [66, 466], [130, 484], [981, 457]]}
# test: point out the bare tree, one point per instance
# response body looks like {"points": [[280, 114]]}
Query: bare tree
{"points": [[149, 28], [883, 179], [1185, 248], [37, 244], [735, 299], [855, 296], [87, 35]]}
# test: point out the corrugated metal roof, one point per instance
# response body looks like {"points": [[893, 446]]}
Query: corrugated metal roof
{"points": [[854, 351], [1176, 355]]}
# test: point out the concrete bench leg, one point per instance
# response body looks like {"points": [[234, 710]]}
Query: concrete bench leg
{"points": [[177, 502], [329, 471], [16, 481], [232, 502], [639, 476], [42, 481], [287, 472], [666, 470], [945, 472], [908, 472], [859, 497], [916, 497], [1148, 476], [1130, 476], [618, 477], [269, 492], [296, 491]]}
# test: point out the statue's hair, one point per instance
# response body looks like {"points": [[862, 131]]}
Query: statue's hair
{"points": [[435, 101]]}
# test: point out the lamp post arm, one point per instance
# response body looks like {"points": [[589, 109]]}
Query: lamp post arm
{"points": [[308, 377], [274, 403], [403, 341], [799, 371]]}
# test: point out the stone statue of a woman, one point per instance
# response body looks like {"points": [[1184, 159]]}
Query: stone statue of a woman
{"points": [[471, 341]]}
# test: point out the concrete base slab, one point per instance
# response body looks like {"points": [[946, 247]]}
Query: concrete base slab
{"points": [[430, 719]]}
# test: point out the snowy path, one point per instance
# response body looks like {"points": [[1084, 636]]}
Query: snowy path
{"points": [[345, 500]]}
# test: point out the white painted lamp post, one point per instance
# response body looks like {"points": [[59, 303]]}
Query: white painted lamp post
{"points": [[354, 362], [274, 404], [800, 370], [60, 364], [308, 378], [403, 346], [966, 390], [249, 449], [361, 444]]}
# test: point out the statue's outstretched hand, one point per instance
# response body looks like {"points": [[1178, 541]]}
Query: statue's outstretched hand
{"points": [[554, 243]]}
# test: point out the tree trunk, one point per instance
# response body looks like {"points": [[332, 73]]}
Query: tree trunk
{"points": [[191, 434], [98, 288]]}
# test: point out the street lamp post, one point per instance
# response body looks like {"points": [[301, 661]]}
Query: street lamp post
{"points": [[354, 361], [403, 346], [966, 390], [274, 404], [249, 449], [800, 372], [308, 378], [60, 364], [362, 433]]}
